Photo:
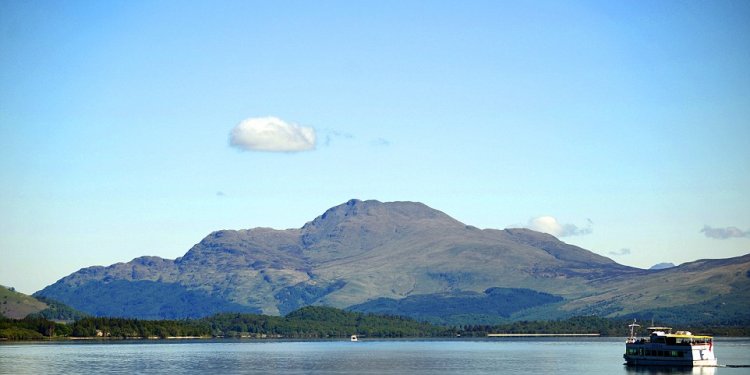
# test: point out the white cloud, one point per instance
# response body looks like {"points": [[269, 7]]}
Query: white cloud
{"points": [[271, 134], [380, 142], [550, 225], [724, 233], [621, 252]]}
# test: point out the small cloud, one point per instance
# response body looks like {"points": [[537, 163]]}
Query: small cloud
{"points": [[271, 134], [330, 135], [620, 252], [724, 233], [380, 142], [550, 225]]}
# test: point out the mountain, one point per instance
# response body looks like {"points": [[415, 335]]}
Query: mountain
{"points": [[391, 257], [661, 266]]}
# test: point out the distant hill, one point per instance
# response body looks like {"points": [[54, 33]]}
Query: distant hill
{"points": [[397, 257], [493, 306], [17, 305], [662, 266], [58, 312]]}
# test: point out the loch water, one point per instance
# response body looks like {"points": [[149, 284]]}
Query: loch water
{"points": [[454, 356]]}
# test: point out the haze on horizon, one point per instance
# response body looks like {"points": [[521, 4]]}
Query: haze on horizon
{"points": [[137, 128]]}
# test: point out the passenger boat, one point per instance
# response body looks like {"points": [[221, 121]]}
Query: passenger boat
{"points": [[664, 348], [354, 338]]}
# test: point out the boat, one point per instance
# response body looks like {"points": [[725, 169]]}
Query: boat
{"points": [[664, 348], [354, 338]]}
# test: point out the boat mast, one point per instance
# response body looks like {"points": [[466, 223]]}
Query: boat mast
{"points": [[632, 331]]}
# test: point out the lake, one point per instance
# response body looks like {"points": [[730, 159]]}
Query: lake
{"points": [[457, 356]]}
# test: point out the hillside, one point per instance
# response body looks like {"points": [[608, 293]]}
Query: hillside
{"points": [[688, 284], [17, 305], [386, 256]]}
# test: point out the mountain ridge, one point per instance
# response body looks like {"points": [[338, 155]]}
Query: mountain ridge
{"points": [[360, 251]]}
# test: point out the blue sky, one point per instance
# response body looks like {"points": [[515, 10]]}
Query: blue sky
{"points": [[622, 127]]}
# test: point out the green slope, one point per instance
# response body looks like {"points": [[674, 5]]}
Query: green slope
{"points": [[17, 305]]}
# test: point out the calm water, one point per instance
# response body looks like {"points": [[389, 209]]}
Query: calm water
{"points": [[481, 356]]}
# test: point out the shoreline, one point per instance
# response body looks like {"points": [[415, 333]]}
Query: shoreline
{"points": [[543, 335], [342, 338], [281, 338], [133, 338]]}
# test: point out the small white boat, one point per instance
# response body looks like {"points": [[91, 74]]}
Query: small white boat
{"points": [[354, 338], [664, 348]]}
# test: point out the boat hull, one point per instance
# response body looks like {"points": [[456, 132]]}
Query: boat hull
{"points": [[668, 355], [645, 361]]}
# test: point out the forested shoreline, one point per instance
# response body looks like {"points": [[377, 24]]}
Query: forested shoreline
{"points": [[312, 322]]}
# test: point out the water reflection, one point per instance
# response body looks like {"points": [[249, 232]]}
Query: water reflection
{"points": [[590, 356]]}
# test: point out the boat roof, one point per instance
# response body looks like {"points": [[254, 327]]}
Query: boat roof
{"points": [[682, 336], [659, 328], [679, 334]]}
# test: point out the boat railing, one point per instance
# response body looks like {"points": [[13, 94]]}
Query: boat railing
{"points": [[670, 341]]}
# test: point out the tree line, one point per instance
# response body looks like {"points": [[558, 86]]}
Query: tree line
{"points": [[32, 328], [307, 322], [312, 322]]}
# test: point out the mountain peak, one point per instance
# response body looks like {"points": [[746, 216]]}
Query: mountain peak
{"points": [[662, 266], [371, 212], [359, 226]]}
